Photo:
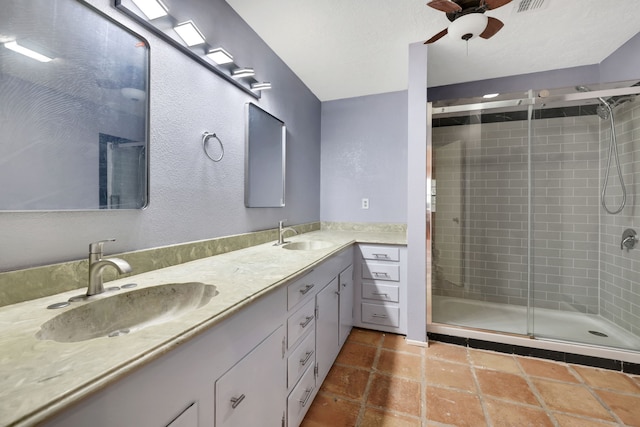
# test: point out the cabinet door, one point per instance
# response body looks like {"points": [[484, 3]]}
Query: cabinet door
{"points": [[346, 303], [327, 327], [250, 394]]}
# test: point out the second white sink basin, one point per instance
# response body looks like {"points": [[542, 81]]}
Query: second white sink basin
{"points": [[307, 245], [124, 313]]}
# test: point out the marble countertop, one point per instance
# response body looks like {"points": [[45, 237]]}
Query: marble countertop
{"points": [[39, 378]]}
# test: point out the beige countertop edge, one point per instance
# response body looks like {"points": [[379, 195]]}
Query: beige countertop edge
{"points": [[96, 383]]}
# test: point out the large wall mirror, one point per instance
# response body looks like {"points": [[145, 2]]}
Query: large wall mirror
{"points": [[265, 158], [73, 109]]}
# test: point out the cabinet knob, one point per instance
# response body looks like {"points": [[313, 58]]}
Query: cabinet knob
{"points": [[306, 289], [235, 401], [308, 355], [306, 321], [305, 398]]}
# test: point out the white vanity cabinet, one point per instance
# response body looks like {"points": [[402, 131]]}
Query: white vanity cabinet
{"points": [[262, 366], [381, 288], [312, 350], [327, 328], [249, 394]]}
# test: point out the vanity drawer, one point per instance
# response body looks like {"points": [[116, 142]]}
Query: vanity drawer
{"points": [[381, 292], [380, 253], [301, 358], [304, 287], [300, 398], [300, 322], [387, 315], [381, 271]]}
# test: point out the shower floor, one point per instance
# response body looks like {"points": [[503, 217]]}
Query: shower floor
{"points": [[551, 324]]}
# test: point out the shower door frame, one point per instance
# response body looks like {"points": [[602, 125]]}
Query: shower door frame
{"points": [[470, 332]]}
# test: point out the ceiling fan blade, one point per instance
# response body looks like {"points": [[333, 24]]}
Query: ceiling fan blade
{"points": [[445, 6], [493, 26], [437, 37], [494, 4]]}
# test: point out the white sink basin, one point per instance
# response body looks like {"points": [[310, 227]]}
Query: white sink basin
{"points": [[307, 245], [124, 313]]}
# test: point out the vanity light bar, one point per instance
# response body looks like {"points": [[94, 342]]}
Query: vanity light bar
{"points": [[14, 46], [243, 72], [261, 86], [189, 33], [220, 56], [152, 9]]}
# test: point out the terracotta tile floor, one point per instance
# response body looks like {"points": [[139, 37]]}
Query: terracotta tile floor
{"points": [[380, 381]]}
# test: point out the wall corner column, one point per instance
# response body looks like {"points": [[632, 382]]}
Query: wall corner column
{"points": [[417, 226]]}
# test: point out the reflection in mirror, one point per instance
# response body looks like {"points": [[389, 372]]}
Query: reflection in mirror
{"points": [[265, 154], [74, 129]]}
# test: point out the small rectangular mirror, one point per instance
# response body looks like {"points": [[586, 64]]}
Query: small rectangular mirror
{"points": [[74, 109], [265, 158]]}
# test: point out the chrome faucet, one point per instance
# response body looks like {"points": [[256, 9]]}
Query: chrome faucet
{"points": [[97, 265], [281, 231]]}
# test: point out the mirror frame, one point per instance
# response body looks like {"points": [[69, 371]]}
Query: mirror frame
{"points": [[251, 108], [146, 74]]}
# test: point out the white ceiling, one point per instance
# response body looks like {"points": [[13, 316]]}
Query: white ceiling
{"points": [[348, 48]]}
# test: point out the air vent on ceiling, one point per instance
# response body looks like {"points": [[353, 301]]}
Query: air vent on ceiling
{"points": [[530, 6]]}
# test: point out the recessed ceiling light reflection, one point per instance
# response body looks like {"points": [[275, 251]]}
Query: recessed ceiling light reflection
{"points": [[14, 46], [189, 33], [152, 9]]}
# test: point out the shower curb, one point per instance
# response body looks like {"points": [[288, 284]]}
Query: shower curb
{"points": [[558, 356]]}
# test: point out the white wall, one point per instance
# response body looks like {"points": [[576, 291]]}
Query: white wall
{"points": [[191, 198], [364, 155]]}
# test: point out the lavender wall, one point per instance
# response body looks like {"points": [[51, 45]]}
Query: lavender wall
{"points": [[364, 155], [191, 198]]}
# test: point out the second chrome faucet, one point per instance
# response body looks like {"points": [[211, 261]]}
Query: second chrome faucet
{"points": [[281, 230]]}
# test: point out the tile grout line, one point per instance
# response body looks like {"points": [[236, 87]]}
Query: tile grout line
{"points": [[479, 394], [584, 383], [537, 394], [367, 389]]}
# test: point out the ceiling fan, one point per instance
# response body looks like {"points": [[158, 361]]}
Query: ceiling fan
{"points": [[468, 19]]}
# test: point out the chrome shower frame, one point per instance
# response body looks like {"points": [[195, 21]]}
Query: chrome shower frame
{"points": [[619, 96]]}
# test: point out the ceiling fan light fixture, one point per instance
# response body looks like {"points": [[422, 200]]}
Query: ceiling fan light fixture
{"points": [[468, 26]]}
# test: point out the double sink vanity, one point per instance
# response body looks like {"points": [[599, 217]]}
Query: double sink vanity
{"points": [[237, 339]]}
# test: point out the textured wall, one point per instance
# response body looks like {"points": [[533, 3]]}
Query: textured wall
{"points": [[191, 198], [364, 155]]}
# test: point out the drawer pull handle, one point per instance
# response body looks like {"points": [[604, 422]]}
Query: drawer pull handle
{"points": [[377, 274], [307, 395], [380, 316], [235, 401], [308, 355], [306, 321], [381, 294], [306, 289], [381, 256]]}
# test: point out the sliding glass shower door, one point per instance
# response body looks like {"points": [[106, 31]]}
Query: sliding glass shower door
{"points": [[521, 243], [480, 216]]}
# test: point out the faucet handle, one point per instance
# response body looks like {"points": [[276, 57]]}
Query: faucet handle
{"points": [[96, 247]]}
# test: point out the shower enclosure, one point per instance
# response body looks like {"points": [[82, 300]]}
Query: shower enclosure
{"points": [[525, 238]]}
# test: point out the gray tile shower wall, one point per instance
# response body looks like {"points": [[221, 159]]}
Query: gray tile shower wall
{"points": [[482, 181], [620, 269]]}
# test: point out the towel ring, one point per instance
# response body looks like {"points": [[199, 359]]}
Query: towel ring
{"points": [[205, 138]]}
